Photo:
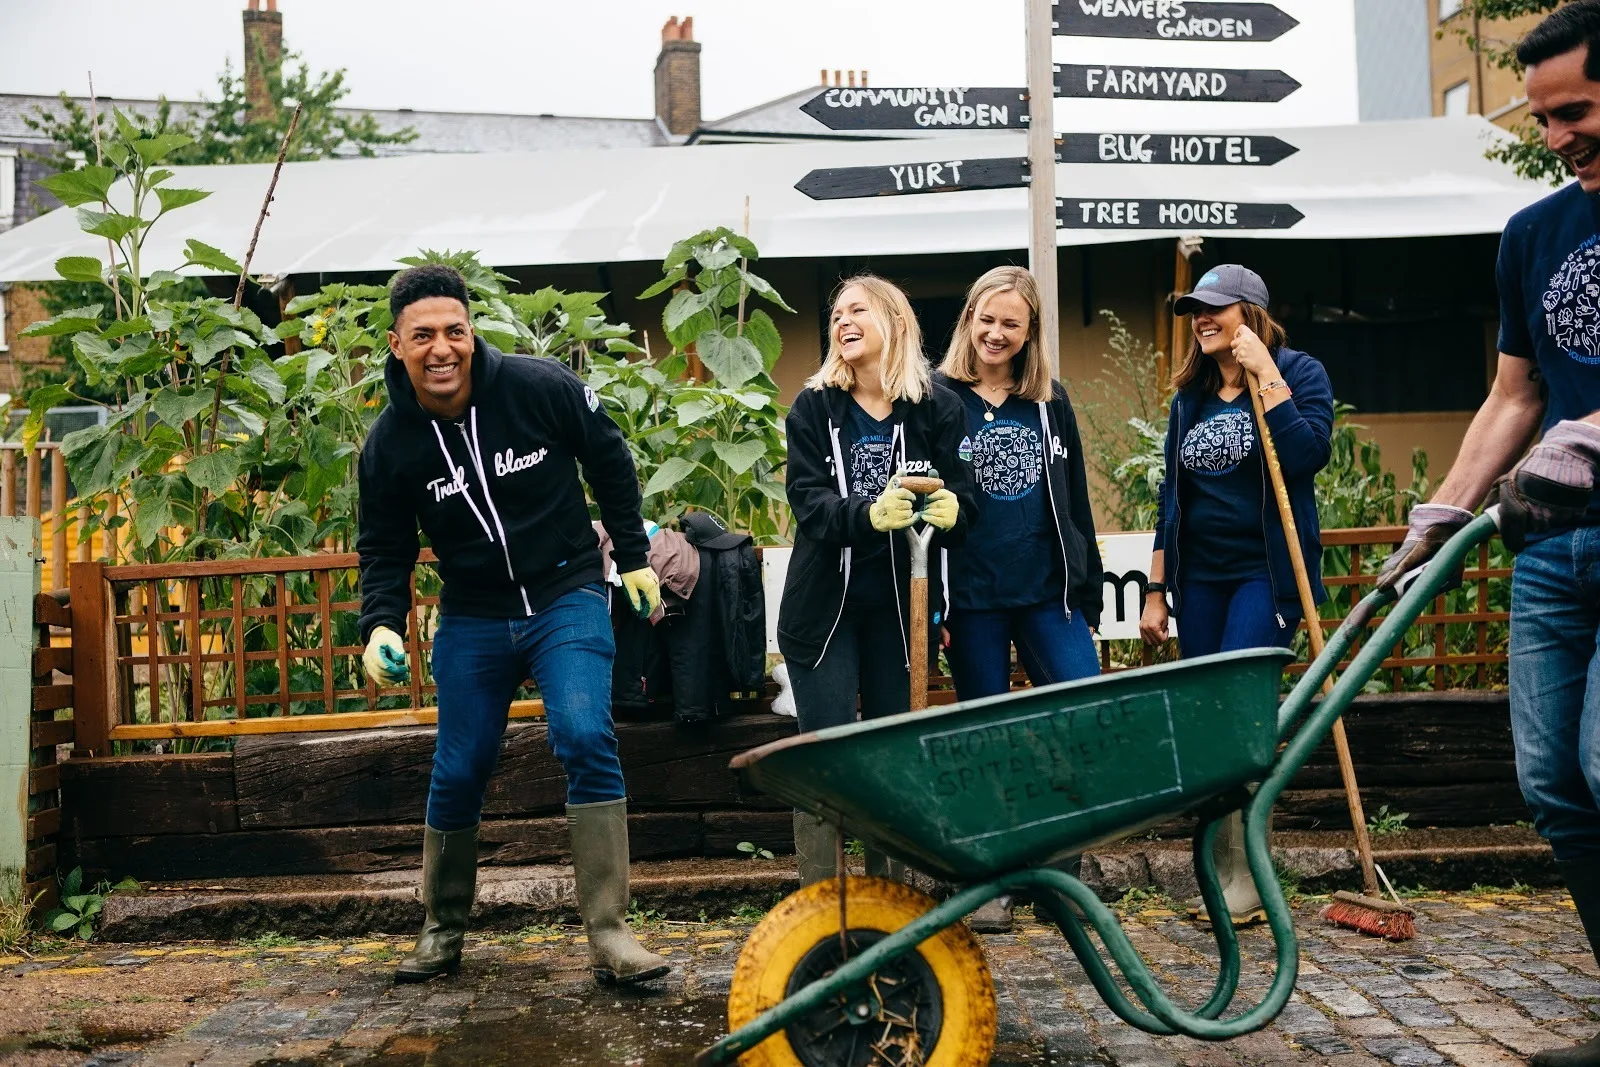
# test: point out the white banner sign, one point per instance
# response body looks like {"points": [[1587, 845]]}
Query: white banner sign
{"points": [[1125, 557]]}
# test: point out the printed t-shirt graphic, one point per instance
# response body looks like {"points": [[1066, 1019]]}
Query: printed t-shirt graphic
{"points": [[1220, 529], [1019, 561], [1548, 276], [870, 456]]}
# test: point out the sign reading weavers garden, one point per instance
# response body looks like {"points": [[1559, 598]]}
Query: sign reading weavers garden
{"points": [[1172, 20]]}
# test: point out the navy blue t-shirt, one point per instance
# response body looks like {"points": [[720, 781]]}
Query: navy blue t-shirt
{"points": [[1013, 558], [869, 450], [1220, 492], [1549, 279]]}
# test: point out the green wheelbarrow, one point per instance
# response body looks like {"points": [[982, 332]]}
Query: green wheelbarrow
{"points": [[987, 794]]}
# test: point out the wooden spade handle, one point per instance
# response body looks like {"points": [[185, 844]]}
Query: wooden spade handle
{"points": [[1308, 607], [920, 485]]}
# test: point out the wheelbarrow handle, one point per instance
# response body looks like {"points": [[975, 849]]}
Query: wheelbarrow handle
{"points": [[1420, 592]]}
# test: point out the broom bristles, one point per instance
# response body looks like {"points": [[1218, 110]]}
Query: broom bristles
{"points": [[1371, 916]]}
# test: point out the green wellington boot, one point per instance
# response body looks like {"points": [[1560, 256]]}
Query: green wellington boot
{"points": [[1233, 870], [600, 865], [816, 848], [449, 877], [1583, 882]]}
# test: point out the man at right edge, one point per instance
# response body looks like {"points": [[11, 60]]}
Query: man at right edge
{"points": [[1547, 379]]}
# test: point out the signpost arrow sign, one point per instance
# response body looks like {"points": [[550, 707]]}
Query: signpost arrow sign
{"points": [[1171, 20], [919, 109], [948, 176], [1195, 149], [1113, 82], [1109, 214]]}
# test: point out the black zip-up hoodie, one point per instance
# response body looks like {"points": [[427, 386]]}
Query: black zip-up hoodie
{"points": [[1067, 483], [829, 522], [497, 493]]}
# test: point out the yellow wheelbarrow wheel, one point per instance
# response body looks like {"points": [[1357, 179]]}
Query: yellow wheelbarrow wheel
{"points": [[933, 1007]]}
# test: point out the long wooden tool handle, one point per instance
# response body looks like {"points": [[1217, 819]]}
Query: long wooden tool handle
{"points": [[919, 644], [1308, 607]]}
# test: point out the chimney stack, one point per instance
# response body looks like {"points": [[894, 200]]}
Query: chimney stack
{"points": [[263, 56], [839, 77], [677, 77]]}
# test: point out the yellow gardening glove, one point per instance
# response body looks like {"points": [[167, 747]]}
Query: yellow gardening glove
{"points": [[894, 510], [385, 658], [941, 509], [644, 591]]}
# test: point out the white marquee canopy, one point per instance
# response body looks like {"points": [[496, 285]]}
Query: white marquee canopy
{"points": [[1401, 179]]}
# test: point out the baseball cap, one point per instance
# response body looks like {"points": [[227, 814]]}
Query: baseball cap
{"points": [[1224, 285]]}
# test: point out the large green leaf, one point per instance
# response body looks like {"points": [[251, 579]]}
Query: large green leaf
{"points": [[693, 411], [127, 327], [208, 347], [154, 149], [684, 306], [215, 472], [176, 408], [732, 360], [764, 287], [763, 333], [113, 225], [674, 470], [716, 257], [176, 198], [673, 277], [80, 268], [67, 322], [39, 401], [203, 255], [152, 510], [264, 375], [86, 185], [740, 456]]}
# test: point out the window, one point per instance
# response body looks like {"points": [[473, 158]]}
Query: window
{"points": [[1458, 100], [1447, 8], [8, 186]]}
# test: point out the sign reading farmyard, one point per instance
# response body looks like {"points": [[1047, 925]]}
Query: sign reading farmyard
{"points": [[1110, 81]]}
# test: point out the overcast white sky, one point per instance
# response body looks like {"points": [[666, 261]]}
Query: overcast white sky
{"points": [[595, 57]]}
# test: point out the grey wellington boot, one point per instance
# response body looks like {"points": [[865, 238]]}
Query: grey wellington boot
{"points": [[881, 866], [1583, 882], [1233, 870], [816, 848], [449, 877], [600, 866]]}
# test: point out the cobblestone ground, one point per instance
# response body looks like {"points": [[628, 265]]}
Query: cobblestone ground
{"points": [[1490, 979]]}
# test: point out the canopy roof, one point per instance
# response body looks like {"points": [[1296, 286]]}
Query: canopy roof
{"points": [[1401, 179]]}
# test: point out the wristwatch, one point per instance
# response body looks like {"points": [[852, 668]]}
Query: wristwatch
{"points": [[1155, 587]]}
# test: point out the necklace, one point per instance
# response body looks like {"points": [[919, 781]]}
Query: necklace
{"points": [[988, 408]]}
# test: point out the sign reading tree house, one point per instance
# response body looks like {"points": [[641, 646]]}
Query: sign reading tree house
{"points": [[1175, 214], [1171, 20]]}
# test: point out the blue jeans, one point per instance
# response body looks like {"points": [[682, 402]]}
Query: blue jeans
{"points": [[478, 664], [1051, 647], [1555, 688], [1228, 616]]}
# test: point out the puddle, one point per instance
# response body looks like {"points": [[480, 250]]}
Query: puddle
{"points": [[599, 1030]]}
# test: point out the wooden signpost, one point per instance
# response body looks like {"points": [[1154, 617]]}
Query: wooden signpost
{"points": [[1172, 20]]}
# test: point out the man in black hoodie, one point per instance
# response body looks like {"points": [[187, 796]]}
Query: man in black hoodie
{"points": [[481, 450]]}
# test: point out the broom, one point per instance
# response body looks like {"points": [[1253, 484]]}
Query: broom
{"points": [[1367, 911]]}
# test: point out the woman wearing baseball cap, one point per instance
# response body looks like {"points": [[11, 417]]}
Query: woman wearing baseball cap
{"points": [[1220, 551]]}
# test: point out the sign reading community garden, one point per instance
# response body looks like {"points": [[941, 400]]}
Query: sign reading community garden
{"points": [[919, 108]]}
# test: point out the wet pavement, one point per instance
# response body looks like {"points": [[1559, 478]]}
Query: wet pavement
{"points": [[1490, 979]]}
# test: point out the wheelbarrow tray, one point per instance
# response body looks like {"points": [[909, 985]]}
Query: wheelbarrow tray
{"points": [[989, 786]]}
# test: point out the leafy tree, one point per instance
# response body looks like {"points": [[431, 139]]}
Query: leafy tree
{"points": [[1528, 154]]}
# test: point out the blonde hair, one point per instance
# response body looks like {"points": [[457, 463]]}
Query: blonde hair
{"points": [[1028, 367], [903, 370]]}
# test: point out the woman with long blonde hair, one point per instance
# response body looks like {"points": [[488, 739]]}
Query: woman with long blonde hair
{"points": [[869, 415], [1030, 574]]}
